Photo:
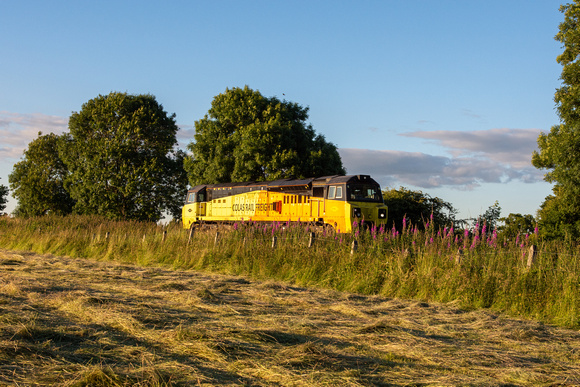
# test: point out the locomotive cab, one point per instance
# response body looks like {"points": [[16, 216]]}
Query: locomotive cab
{"points": [[367, 204], [354, 199], [195, 205]]}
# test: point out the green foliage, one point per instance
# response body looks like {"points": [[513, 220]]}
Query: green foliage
{"points": [[556, 219], [248, 137], [37, 181], [3, 197], [559, 150], [417, 208], [515, 224], [122, 159], [491, 216]]}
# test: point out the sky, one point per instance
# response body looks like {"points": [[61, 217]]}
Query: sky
{"points": [[447, 97]]}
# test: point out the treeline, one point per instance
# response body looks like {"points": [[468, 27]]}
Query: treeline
{"points": [[120, 160]]}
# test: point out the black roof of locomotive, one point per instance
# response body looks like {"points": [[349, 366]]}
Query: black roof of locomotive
{"points": [[288, 183]]}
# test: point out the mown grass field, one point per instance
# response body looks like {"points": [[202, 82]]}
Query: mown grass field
{"points": [[80, 322], [91, 302]]}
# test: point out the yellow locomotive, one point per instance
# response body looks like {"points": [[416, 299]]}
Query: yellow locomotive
{"points": [[337, 201]]}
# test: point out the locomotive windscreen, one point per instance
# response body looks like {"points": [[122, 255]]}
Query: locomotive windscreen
{"points": [[364, 193]]}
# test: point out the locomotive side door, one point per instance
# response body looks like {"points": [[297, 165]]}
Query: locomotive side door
{"points": [[316, 202], [201, 199]]}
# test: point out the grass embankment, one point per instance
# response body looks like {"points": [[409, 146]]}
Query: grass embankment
{"points": [[82, 322], [475, 270]]}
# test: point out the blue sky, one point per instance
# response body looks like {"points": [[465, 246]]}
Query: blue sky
{"points": [[447, 97]]}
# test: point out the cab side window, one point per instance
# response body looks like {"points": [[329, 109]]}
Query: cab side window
{"points": [[335, 192], [331, 192]]}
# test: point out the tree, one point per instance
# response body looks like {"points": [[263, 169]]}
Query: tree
{"points": [[122, 158], [3, 197], [248, 137], [37, 181], [554, 220], [490, 217], [559, 150], [417, 208], [515, 224]]}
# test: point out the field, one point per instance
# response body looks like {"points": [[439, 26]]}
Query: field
{"points": [[85, 301], [80, 322]]}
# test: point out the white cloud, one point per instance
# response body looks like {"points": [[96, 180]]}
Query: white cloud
{"points": [[185, 135], [510, 146], [469, 113], [492, 156], [18, 130]]}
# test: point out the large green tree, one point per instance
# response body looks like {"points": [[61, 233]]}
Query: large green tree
{"points": [[122, 158], [37, 181], [559, 150], [248, 137]]}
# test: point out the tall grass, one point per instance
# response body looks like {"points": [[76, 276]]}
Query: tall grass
{"points": [[473, 268]]}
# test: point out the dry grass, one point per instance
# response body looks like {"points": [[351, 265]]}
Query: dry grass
{"points": [[75, 322]]}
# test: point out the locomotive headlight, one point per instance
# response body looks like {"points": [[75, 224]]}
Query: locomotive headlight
{"points": [[382, 213], [356, 212]]}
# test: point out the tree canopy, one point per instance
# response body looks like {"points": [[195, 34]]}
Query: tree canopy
{"points": [[559, 150], [248, 137], [3, 197], [37, 181], [418, 209], [122, 158], [515, 224]]}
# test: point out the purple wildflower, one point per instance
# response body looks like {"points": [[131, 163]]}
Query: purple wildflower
{"points": [[474, 243]]}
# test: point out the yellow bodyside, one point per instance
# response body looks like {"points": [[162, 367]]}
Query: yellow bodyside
{"points": [[264, 206]]}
